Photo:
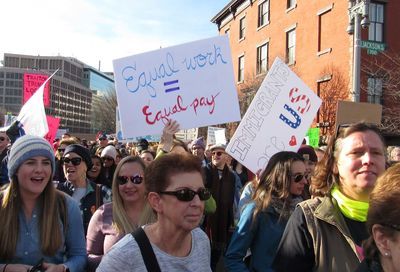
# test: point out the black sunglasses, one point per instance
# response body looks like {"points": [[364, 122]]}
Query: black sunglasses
{"points": [[187, 194], [395, 227], [61, 150], [137, 179], [74, 161], [218, 153], [107, 159], [298, 178]]}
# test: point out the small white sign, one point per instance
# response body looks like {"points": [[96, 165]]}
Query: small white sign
{"points": [[211, 135], [276, 120], [191, 83]]}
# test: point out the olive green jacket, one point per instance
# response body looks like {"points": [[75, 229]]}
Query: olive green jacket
{"points": [[334, 249]]}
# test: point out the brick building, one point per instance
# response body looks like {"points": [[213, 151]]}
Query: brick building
{"points": [[311, 36]]}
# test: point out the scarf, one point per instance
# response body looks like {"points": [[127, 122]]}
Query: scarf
{"points": [[285, 210], [355, 210]]}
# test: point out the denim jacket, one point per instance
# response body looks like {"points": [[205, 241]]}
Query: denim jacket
{"points": [[73, 251], [262, 238]]}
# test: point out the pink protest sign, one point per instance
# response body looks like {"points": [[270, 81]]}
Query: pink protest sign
{"points": [[32, 82], [53, 124]]}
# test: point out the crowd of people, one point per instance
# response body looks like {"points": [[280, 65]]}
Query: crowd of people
{"points": [[75, 205]]}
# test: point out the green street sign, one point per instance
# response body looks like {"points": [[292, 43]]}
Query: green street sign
{"points": [[373, 48]]}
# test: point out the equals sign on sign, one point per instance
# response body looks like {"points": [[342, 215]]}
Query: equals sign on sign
{"points": [[169, 86]]}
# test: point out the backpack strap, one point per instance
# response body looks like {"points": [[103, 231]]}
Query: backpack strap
{"points": [[148, 255], [99, 199]]}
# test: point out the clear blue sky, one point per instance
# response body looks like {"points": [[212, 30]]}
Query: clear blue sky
{"points": [[103, 30]]}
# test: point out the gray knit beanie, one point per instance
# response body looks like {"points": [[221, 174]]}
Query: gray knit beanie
{"points": [[26, 147]]}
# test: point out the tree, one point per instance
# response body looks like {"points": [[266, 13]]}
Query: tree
{"points": [[332, 87], [383, 72], [104, 111]]}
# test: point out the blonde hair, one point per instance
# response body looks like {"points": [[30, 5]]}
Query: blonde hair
{"points": [[52, 206], [121, 221]]}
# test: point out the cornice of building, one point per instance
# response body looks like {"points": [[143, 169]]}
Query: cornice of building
{"points": [[229, 9]]}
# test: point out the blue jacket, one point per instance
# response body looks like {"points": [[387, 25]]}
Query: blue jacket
{"points": [[262, 239], [72, 253]]}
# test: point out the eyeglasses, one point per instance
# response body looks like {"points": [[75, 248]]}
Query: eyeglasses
{"points": [[298, 178], [187, 194], [218, 153], [107, 159], [102, 139], [137, 179], [2, 139], [61, 150], [74, 161]]}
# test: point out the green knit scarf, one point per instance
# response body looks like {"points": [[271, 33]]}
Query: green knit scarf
{"points": [[355, 210]]}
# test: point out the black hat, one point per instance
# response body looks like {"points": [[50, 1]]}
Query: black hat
{"points": [[82, 151], [142, 144]]}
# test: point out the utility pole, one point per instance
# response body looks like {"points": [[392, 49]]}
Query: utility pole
{"points": [[358, 17]]}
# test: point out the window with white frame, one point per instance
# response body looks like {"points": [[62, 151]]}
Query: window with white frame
{"points": [[375, 90], [242, 27], [376, 18], [241, 68], [263, 13], [291, 3], [262, 58], [291, 46]]}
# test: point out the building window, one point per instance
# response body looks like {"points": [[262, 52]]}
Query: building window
{"points": [[262, 58], [290, 3], [241, 69], [242, 28], [376, 18], [290, 46], [374, 90], [263, 13]]}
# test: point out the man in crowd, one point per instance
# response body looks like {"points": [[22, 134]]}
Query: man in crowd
{"points": [[225, 187]]}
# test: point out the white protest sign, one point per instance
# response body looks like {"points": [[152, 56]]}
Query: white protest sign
{"points": [[32, 115], [191, 83], [211, 135], [220, 136], [276, 120]]}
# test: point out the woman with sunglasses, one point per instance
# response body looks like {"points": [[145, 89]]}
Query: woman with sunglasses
{"points": [[113, 220], [175, 190], [326, 233], [382, 249], [263, 220], [39, 224], [59, 176], [76, 162]]}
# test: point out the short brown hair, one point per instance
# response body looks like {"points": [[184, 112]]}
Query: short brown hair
{"points": [[382, 208], [322, 180], [157, 175]]}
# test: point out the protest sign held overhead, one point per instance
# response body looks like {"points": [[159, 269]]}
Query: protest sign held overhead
{"points": [[191, 83], [277, 119], [32, 82]]}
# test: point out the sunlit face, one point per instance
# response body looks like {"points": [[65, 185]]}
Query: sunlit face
{"points": [[130, 192], [94, 172], [33, 175], [297, 168], [184, 215], [219, 157], [74, 173], [361, 160], [147, 158]]}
